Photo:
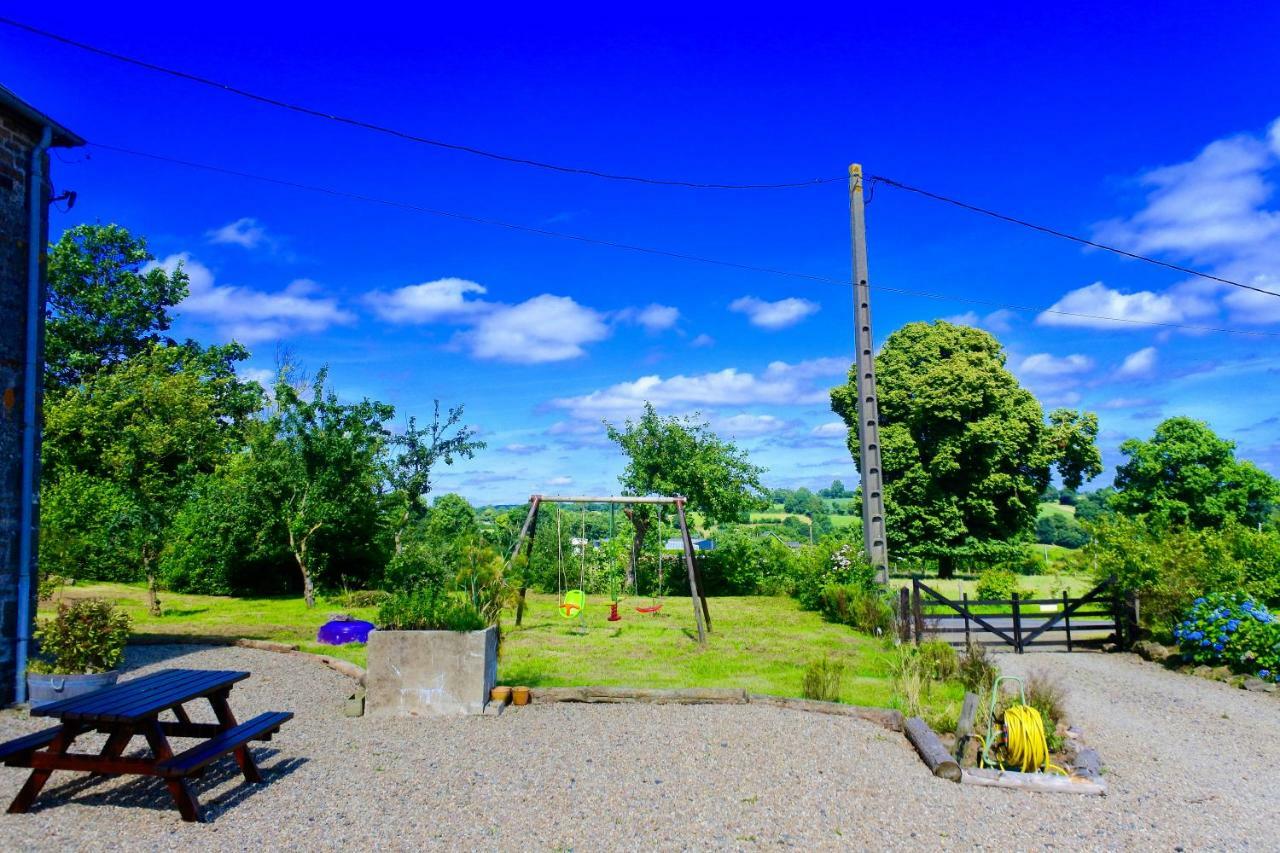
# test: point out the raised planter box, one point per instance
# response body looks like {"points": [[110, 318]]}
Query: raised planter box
{"points": [[430, 673]]}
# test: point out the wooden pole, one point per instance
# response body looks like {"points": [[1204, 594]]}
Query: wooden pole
{"points": [[904, 614], [529, 530], [917, 611], [1017, 625], [694, 588], [964, 596], [1066, 618]]}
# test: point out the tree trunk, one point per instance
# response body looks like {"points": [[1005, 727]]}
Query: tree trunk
{"points": [[299, 548], [946, 566], [404, 523], [148, 566]]}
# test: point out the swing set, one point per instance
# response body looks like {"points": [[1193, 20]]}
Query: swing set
{"points": [[573, 602]]}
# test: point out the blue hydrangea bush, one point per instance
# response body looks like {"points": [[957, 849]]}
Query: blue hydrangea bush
{"points": [[1234, 630]]}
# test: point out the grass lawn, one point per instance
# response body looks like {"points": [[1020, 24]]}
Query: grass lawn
{"points": [[1043, 586], [1053, 508], [762, 644]]}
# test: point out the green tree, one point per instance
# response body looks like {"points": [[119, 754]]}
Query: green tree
{"points": [[150, 425], [89, 529], [966, 449], [106, 302], [318, 462], [682, 456], [1186, 475], [418, 451]]}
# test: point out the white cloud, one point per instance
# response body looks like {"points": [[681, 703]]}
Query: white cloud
{"points": [[654, 318], [774, 315], [265, 378], [779, 384], [703, 340], [1101, 301], [243, 232], [831, 429], [1000, 321], [538, 330], [1129, 403], [747, 426], [444, 299], [559, 481], [249, 315], [1044, 364], [1138, 364]]}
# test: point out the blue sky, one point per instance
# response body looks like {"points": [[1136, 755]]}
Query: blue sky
{"points": [[1153, 132]]}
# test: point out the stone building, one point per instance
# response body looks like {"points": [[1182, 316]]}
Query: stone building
{"points": [[26, 134]]}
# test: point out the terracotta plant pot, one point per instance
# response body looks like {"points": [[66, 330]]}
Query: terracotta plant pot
{"points": [[520, 695], [500, 694]]}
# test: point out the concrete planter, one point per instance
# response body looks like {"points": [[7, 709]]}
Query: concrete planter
{"points": [[430, 673]]}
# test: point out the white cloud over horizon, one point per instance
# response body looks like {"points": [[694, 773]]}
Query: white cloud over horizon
{"points": [[245, 231], [1047, 365], [1138, 365]]}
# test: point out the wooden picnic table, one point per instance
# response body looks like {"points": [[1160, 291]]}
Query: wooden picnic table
{"points": [[133, 708]]}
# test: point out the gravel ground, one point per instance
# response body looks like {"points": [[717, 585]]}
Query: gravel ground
{"points": [[1191, 763]]}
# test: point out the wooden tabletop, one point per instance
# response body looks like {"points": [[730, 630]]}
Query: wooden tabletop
{"points": [[141, 698]]}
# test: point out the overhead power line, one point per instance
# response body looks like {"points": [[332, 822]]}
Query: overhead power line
{"points": [[402, 134], [650, 250], [596, 173], [1044, 229]]}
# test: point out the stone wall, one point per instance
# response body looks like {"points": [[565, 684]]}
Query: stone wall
{"points": [[17, 138]]}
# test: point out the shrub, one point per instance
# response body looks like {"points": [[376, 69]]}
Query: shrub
{"points": [[976, 670], [911, 683], [362, 598], [1231, 629], [417, 565], [85, 636], [1047, 695], [89, 529], [828, 563], [429, 609], [822, 680], [862, 609], [49, 584], [939, 660], [996, 585]]}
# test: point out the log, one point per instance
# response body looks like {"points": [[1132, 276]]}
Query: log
{"points": [[964, 726], [935, 755], [1088, 763], [267, 645], [686, 696], [884, 717], [338, 665], [1044, 782]]}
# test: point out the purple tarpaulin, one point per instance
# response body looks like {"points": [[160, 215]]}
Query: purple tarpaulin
{"points": [[341, 631]]}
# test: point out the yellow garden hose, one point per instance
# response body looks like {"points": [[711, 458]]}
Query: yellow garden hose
{"points": [[1025, 743]]}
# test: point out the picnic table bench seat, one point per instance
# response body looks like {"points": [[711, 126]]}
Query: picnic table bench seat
{"points": [[27, 744], [261, 727]]}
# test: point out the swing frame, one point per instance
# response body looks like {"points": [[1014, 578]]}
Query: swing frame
{"points": [[701, 613]]}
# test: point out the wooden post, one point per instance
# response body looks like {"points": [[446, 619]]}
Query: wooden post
{"points": [[1017, 625], [904, 614], [1067, 617], [694, 588], [529, 529], [964, 598], [917, 611], [965, 724]]}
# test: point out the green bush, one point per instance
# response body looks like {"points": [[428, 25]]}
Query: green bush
{"points": [[996, 585], [823, 679], [939, 659], [49, 584], [362, 598], [830, 563], [865, 610], [1169, 568], [417, 565], [89, 530], [977, 671], [84, 637], [429, 609]]}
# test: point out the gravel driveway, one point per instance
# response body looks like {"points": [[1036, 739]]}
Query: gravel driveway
{"points": [[1191, 763]]}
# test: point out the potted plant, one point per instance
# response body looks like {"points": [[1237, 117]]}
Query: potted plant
{"points": [[435, 653], [80, 648]]}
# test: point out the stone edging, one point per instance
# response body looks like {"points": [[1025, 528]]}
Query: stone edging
{"points": [[338, 665]]}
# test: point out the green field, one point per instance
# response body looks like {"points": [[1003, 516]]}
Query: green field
{"points": [[758, 643], [1055, 508]]}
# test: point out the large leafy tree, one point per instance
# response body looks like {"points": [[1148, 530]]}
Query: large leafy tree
{"points": [[683, 456], [418, 450], [1186, 475], [318, 465], [107, 302], [966, 449], [150, 426]]}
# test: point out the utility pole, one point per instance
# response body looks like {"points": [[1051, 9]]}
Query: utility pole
{"points": [[873, 535]]}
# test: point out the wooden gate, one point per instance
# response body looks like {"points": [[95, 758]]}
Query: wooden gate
{"points": [[1097, 615]]}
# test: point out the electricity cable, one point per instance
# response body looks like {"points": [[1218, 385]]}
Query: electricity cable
{"points": [[667, 253]]}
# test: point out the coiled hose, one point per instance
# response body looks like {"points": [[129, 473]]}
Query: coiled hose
{"points": [[1025, 743]]}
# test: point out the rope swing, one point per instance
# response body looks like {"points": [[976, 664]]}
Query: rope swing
{"points": [[572, 601], [656, 591]]}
